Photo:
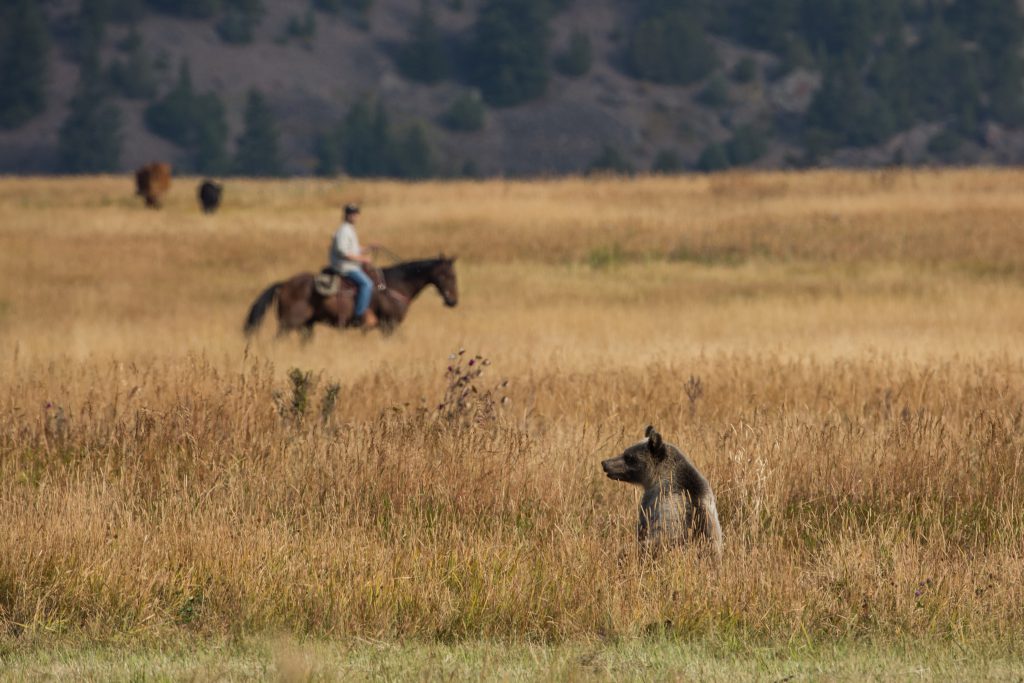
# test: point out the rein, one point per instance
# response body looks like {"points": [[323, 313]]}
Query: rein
{"points": [[387, 252]]}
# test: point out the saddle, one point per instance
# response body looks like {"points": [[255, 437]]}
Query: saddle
{"points": [[329, 282]]}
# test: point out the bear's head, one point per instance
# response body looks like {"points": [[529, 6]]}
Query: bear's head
{"points": [[639, 464]]}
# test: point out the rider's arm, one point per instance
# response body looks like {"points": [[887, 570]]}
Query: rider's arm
{"points": [[347, 244]]}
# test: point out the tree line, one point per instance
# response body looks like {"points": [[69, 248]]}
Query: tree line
{"points": [[885, 65]]}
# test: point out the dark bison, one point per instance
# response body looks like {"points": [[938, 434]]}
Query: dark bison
{"points": [[152, 181], [209, 195]]}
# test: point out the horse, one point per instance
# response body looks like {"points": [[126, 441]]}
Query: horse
{"points": [[300, 306], [152, 181]]}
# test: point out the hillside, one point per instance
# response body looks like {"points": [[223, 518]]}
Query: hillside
{"points": [[669, 84]]}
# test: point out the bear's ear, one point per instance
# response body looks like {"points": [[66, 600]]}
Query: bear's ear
{"points": [[654, 443]]}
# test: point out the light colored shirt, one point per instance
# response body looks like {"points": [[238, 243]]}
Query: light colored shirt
{"points": [[345, 243]]}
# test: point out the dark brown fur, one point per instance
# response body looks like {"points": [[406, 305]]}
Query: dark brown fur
{"points": [[152, 181], [678, 505], [209, 194]]}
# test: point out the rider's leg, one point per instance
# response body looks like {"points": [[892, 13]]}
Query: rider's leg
{"points": [[363, 294]]}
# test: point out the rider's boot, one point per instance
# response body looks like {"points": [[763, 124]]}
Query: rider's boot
{"points": [[367, 320], [370, 320]]}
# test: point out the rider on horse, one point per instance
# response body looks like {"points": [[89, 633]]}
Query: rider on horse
{"points": [[347, 259]]}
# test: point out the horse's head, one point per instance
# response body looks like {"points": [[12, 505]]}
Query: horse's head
{"points": [[442, 276]]}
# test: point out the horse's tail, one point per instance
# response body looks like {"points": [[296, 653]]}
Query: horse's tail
{"points": [[259, 308]]}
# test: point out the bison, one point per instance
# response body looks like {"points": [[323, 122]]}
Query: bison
{"points": [[209, 195], [152, 181]]}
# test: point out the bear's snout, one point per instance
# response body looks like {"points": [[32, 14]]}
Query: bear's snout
{"points": [[612, 467]]}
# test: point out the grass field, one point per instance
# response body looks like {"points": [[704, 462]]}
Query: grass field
{"points": [[838, 352]]}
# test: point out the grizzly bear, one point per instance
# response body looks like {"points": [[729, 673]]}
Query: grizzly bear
{"points": [[678, 505]]}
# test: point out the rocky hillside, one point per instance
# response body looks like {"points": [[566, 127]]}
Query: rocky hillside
{"points": [[463, 87]]}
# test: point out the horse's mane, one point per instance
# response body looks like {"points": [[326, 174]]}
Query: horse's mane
{"points": [[408, 268]]}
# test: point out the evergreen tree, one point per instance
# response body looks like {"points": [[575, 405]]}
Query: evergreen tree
{"points": [[746, 146], [125, 10], [90, 138], [670, 48], [667, 161], [303, 29], [325, 149], [611, 160], [194, 122], [192, 9], [360, 154], [892, 76], [241, 17], [209, 134], [465, 114], [171, 116], [24, 63], [90, 27], [412, 157], [365, 140], [764, 24], [509, 51], [575, 61], [840, 29], [997, 28], [355, 11], [257, 153], [1006, 100], [134, 77], [424, 58], [713, 158], [845, 111], [943, 75], [363, 145]]}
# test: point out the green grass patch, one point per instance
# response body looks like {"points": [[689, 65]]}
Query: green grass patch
{"points": [[637, 659]]}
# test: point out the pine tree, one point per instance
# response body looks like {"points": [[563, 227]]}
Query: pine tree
{"points": [[510, 51], [90, 138], [764, 23], [193, 9], [575, 61], [171, 116], [24, 63], [466, 113], [365, 141], [357, 138], [257, 153], [424, 58], [845, 111], [413, 157], [195, 122], [134, 77], [670, 48], [996, 26], [90, 26], [241, 17], [325, 149], [209, 134]]}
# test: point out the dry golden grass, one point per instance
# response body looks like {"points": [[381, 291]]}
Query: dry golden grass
{"points": [[856, 336]]}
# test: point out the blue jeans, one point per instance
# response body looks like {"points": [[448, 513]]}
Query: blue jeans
{"points": [[365, 285]]}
